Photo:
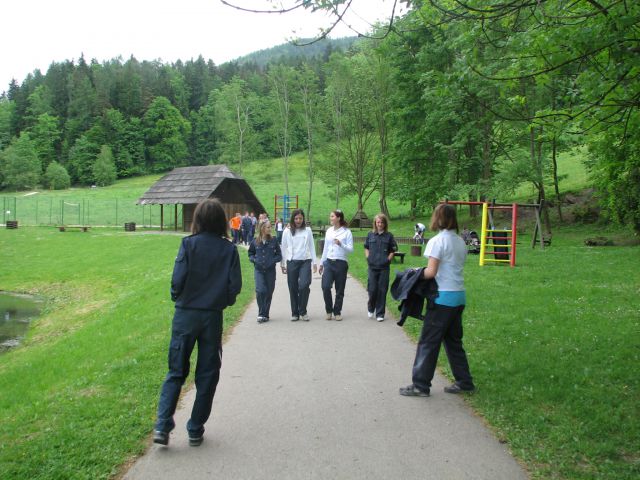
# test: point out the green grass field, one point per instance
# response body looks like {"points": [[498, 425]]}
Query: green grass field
{"points": [[78, 399], [552, 343]]}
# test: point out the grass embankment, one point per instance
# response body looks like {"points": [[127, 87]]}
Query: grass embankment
{"points": [[553, 347], [78, 399]]}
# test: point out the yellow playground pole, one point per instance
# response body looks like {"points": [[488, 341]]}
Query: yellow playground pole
{"points": [[483, 233]]}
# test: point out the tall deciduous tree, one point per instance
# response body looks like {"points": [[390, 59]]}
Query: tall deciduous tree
{"points": [[104, 168], [56, 177], [311, 105], [46, 135], [233, 105], [166, 135], [282, 79], [20, 165]]}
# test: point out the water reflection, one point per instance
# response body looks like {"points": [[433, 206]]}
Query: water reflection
{"points": [[16, 312]]}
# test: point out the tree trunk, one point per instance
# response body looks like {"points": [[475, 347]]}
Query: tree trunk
{"points": [[555, 176]]}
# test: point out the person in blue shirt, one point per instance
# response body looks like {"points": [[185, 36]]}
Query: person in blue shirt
{"points": [[379, 248], [265, 254], [206, 279], [443, 322]]}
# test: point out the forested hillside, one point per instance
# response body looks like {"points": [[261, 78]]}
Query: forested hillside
{"points": [[456, 100]]}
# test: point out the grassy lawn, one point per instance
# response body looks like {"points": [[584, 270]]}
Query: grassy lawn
{"points": [[78, 400], [553, 345]]}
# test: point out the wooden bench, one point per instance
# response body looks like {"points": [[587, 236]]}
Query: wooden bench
{"points": [[12, 224], [67, 228], [399, 255]]}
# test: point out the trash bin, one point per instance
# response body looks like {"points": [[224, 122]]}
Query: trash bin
{"points": [[130, 227], [416, 250]]}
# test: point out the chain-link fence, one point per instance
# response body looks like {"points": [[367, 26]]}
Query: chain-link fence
{"points": [[32, 211]]}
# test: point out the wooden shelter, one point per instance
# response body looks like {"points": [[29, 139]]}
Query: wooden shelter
{"points": [[187, 186], [360, 220]]}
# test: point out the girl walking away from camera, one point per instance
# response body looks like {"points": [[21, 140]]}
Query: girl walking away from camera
{"points": [[379, 248], [443, 323], [206, 279], [338, 243], [264, 253], [299, 253]]}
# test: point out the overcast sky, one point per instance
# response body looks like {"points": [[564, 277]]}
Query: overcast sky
{"points": [[35, 33]]}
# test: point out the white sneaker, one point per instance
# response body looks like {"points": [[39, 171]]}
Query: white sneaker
{"points": [[380, 319], [305, 317], [338, 317], [370, 314]]}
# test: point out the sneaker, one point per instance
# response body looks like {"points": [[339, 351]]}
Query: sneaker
{"points": [[294, 318], [161, 438], [380, 319], [260, 319], [413, 391], [329, 316], [305, 317], [338, 317], [195, 441], [370, 314], [455, 388]]}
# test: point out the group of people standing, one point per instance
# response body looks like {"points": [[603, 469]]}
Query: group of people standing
{"points": [[207, 278], [298, 260]]}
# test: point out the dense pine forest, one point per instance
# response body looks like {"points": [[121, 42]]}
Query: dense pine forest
{"points": [[451, 100]]}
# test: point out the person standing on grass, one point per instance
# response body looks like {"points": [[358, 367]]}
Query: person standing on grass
{"points": [[264, 253], [379, 248], [443, 322], [235, 223], [338, 243], [206, 279], [298, 258]]}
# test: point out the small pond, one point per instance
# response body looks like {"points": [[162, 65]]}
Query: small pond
{"points": [[16, 312]]}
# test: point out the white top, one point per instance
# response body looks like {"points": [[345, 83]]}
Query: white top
{"points": [[448, 247], [279, 226], [337, 252], [298, 247]]}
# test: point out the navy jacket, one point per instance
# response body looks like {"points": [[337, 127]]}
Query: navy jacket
{"points": [[411, 288], [206, 275], [265, 256], [380, 245]]}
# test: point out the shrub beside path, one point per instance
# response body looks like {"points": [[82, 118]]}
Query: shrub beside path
{"points": [[319, 400]]}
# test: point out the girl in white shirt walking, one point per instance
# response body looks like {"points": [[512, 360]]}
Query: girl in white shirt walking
{"points": [[298, 257], [338, 243]]}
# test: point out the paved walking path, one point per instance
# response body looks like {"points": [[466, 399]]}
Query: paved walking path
{"points": [[319, 400]]}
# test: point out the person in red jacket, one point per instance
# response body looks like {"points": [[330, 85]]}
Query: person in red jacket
{"points": [[206, 279]]}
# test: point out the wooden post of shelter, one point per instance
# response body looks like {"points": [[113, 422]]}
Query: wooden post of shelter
{"points": [[161, 216]]}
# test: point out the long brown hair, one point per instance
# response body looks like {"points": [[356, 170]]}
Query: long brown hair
{"points": [[209, 217], [340, 215], [292, 223], [444, 218]]}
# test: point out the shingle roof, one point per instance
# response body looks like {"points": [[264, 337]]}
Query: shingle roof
{"points": [[188, 185]]}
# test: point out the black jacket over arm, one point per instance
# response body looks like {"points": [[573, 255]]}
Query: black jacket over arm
{"points": [[206, 275], [411, 289]]}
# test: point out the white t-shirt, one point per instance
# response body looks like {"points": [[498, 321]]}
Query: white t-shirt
{"points": [[448, 247]]}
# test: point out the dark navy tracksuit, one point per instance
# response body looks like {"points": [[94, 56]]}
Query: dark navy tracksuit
{"points": [[265, 256], [380, 245], [206, 279]]}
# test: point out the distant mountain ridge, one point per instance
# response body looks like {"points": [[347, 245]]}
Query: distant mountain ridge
{"points": [[321, 48]]}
